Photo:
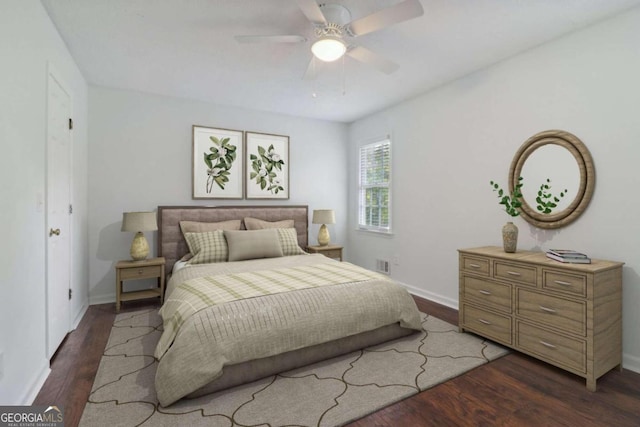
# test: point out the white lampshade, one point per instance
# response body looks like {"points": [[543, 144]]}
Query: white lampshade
{"points": [[324, 216], [328, 49], [139, 221]]}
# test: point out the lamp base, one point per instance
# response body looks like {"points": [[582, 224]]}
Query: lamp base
{"points": [[323, 235], [139, 247]]}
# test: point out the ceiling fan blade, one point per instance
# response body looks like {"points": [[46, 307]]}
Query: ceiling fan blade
{"points": [[404, 11], [365, 56], [311, 72], [271, 39], [312, 11]]}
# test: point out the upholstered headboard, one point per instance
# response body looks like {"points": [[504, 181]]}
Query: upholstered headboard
{"points": [[171, 243]]}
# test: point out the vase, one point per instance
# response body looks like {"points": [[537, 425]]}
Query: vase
{"points": [[509, 237]]}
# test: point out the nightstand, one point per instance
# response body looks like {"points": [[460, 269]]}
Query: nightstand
{"points": [[136, 270], [330, 251]]}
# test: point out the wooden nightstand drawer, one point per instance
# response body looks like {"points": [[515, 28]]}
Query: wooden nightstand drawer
{"points": [[475, 265], [330, 251], [515, 273], [492, 294], [553, 311], [555, 348], [569, 283], [140, 272], [333, 253], [488, 324]]}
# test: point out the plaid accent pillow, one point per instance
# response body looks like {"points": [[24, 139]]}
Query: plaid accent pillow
{"points": [[207, 247], [289, 242]]}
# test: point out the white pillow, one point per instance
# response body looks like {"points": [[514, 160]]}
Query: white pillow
{"points": [[253, 244]]}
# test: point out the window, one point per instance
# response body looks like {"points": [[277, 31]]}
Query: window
{"points": [[375, 187]]}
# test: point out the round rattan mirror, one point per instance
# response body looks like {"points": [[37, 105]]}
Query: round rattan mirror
{"points": [[579, 181]]}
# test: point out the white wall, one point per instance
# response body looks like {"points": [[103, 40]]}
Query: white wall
{"points": [[28, 41], [140, 157], [449, 143]]}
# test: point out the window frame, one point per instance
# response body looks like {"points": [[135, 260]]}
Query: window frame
{"points": [[362, 188]]}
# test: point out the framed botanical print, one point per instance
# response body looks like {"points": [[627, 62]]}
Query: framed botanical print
{"points": [[267, 166], [217, 163]]}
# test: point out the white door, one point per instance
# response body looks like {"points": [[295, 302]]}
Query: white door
{"points": [[58, 223]]}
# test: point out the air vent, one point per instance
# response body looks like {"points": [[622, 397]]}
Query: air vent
{"points": [[382, 266]]}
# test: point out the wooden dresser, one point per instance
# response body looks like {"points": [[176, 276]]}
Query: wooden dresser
{"points": [[569, 315]]}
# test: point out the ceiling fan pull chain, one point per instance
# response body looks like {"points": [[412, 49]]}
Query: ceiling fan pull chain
{"points": [[313, 65], [344, 78]]}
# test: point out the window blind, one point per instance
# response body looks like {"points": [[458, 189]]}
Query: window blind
{"points": [[375, 188]]}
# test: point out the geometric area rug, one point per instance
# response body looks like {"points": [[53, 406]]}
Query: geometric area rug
{"points": [[333, 392]]}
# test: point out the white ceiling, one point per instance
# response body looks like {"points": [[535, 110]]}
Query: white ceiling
{"points": [[186, 48]]}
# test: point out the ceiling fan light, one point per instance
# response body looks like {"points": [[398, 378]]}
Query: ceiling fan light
{"points": [[328, 49]]}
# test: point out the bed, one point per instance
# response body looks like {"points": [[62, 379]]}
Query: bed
{"points": [[248, 317]]}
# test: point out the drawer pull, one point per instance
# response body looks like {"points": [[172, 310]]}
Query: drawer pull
{"points": [[474, 266], [546, 344], [486, 322], [483, 292], [560, 282], [547, 309], [514, 273]]}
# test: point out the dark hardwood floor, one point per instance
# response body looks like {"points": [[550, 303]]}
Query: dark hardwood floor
{"points": [[515, 390]]}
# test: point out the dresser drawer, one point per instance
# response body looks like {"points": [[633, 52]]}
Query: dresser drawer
{"points": [[562, 282], [476, 265], [492, 294], [551, 310], [488, 324], [555, 348], [140, 272], [515, 272]]}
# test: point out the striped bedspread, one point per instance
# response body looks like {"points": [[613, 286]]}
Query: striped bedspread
{"points": [[223, 314], [202, 292]]}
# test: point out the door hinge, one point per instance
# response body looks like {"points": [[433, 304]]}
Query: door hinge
{"points": [[70, 292], [70, 209], [70, 123]]}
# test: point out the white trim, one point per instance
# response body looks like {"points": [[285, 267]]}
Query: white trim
{"points": [[451, 303], [79, 316], [34, 389], [631, 362], [102, 299], [375, 232]]}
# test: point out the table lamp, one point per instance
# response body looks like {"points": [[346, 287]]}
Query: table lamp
{"points": [[139, 222], [323, 216]]}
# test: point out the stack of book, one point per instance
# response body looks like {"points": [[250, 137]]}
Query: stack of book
{"points": [[567, 255]]}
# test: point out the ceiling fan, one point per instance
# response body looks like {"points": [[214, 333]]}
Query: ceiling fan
{"points": [[333, 28]]}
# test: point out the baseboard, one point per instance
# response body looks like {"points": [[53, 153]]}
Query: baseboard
{"points": [[102, 299], [79, 316], [448, 302], [631, 363], [33, 391]]}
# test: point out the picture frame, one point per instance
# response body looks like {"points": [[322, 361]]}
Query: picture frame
{"points": [[216, 176], [266, 166]]}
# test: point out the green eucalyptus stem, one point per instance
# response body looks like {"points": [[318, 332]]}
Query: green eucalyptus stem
{"points": [[545, 200], [511, 201]]}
